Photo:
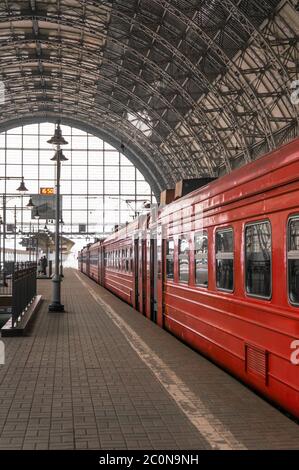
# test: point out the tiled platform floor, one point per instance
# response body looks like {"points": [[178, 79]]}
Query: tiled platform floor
{"points": [[92, 378]]}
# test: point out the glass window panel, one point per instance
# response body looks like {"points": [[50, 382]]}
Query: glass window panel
{"points": [[95, 172], [94, 143], [184, 259], [14, 156], [33, 187], [30, 172], [258, 259], [79, 217], [170, 259], [45, 157], [201, 258], [127, 187], [15, 130], [95, 203], [111, 188], [111, 217], [67, 202], [293, 260], [31, 129], [66, 187], [124, 160], [79, 172], [2, 159], [2, 140], [76, 132], [80, 202], [14, 141], [95, 187], [225, 259], [125, 217], [139, 175], [66, 172], [47, 128], [111, 158], [47, 173], [127, 173], [31, 141], [111, 173], [96, 158], [127, 205], [97, 216], [79, 142], [112, 202], [78, 157], [143, 188], [67, 216], [30, 157]]}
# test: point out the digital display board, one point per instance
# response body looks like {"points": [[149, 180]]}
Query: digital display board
{"points": [[47, 191]]}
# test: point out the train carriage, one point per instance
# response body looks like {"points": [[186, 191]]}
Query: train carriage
{"points": [[219, 268]]}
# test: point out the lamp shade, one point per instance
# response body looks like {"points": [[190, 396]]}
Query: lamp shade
{"points": [[22, 188], [30, 203], [36, 214], [62, 158], [57, 138]]}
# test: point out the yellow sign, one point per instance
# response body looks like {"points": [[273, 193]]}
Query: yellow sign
{"points": [[47, 191]]}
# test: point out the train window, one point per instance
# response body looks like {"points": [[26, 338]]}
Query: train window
{"points": [[170, 259], [123, 260], [293, 260], [201, 258], [183, 260], [131, 259], [127, 260], [225, 259], [258, 246]]}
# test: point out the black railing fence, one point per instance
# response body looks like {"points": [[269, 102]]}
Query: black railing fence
{"points": [[23, 282], [5, 280]]}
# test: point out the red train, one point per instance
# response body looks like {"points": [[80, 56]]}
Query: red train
{"points": [[219, 268]]}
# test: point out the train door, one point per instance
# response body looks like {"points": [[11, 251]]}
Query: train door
{"points": [[99, 261], [140, 274], [88, 263], [161, 249], [153, 278], [136, 273], [142, 267]]}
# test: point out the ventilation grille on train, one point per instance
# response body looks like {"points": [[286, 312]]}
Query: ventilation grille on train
{"points": [[256, 361]]}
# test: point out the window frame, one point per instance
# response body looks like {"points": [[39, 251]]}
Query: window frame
{"points": [[290, 218], [171, 279], [248, 294], [187, 238], [202, 231], [228, 228]]}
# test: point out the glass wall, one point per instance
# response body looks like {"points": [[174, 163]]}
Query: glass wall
{"points": [[100, 187]]}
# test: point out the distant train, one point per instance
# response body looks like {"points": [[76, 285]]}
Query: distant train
{"points": [[219, 268]]}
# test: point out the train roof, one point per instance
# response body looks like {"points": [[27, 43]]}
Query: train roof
{"points": [[244, 181]]}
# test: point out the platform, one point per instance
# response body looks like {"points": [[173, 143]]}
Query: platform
{"points": [[101, 376]]}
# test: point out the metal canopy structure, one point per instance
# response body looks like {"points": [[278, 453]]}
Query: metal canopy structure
{"points": [[184, 87]]}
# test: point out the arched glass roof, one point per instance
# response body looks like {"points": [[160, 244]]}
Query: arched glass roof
{"points": [[186, 87]]}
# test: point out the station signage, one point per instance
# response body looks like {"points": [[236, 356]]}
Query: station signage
{"points": [[47, 191]]}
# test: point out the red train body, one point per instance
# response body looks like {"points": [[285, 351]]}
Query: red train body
{"points": [[219, 268]]}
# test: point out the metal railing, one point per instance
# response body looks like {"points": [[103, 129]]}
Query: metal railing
{"points": [[23, 289]]}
